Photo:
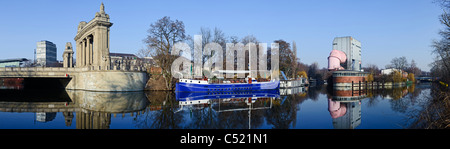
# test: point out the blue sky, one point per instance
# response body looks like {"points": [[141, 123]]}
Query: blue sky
{"points": [[386, 28]]}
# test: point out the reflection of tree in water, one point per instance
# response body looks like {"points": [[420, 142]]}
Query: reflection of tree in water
{"points": [[162, 115], [404, 101], [233, 120], [204, 118], [313, 92], [414, 93], [282, 115], [400, 98], [240, 119]]}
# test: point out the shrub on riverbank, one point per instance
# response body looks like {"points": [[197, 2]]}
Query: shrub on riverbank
{"points": [[436, 114]]}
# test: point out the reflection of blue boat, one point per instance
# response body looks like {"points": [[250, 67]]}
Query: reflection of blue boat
{"points": [[185, 96], [187, 85]]}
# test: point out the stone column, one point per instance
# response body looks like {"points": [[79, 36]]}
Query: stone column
{"points": [[65, 60], [89, 51], [78, 53], [83, 52], [71, 60]]}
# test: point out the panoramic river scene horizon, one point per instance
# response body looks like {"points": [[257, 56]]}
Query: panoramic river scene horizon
{"points": [[212, 73]]}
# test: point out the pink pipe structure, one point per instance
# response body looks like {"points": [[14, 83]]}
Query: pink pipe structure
{"points": [[335, 60], [336, 108]]}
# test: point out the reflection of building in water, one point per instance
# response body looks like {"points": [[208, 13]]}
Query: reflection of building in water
{"points": [[45, 116], [93, 120], [49, 116], [346, 115], [345, 108], [95, 108], [348, 95], [68, 117]]}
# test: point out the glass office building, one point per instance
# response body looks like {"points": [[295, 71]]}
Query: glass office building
{"points": [[45, 53]]}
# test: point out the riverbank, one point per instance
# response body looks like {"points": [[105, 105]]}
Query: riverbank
{"points": [[435, 115], [157, 83]]}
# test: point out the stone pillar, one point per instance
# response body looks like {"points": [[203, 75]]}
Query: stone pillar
{"points": [[68, 55], [83, 53], [89, 51], [65, 64], [71, 60], [78, 53]]}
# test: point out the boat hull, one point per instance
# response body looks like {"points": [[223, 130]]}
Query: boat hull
{"points": [[185, 96], [192, 87]]}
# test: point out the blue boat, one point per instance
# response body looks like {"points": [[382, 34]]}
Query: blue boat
{"points": [[188, 85]]}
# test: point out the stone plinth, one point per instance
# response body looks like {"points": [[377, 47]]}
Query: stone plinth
{"points": [[109, 81]]}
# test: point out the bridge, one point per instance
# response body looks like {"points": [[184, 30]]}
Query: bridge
{"points": [[425, 79], [38, 72], [93, 70]]}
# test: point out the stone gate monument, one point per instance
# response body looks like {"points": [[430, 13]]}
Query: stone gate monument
{"points": [[92, 57], [92, 42], [93, 70]]}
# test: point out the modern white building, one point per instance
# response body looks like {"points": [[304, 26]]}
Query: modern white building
{"points": [[389, 71], [45, 53], [352, 48]]}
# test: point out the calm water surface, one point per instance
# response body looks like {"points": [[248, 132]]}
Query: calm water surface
{"points": [[299, 108]]}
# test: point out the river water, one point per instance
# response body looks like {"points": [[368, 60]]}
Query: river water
{"points": [[298, 108]]}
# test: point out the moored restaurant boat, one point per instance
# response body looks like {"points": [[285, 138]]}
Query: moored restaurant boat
{"points": [[189, 85]]}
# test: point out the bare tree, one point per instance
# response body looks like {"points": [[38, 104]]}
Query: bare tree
{"points": [[162, 35], [414, 69], [216, 36], [441, 65], [248, 39], [143, 52], [372, 68], [399, 63]]}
